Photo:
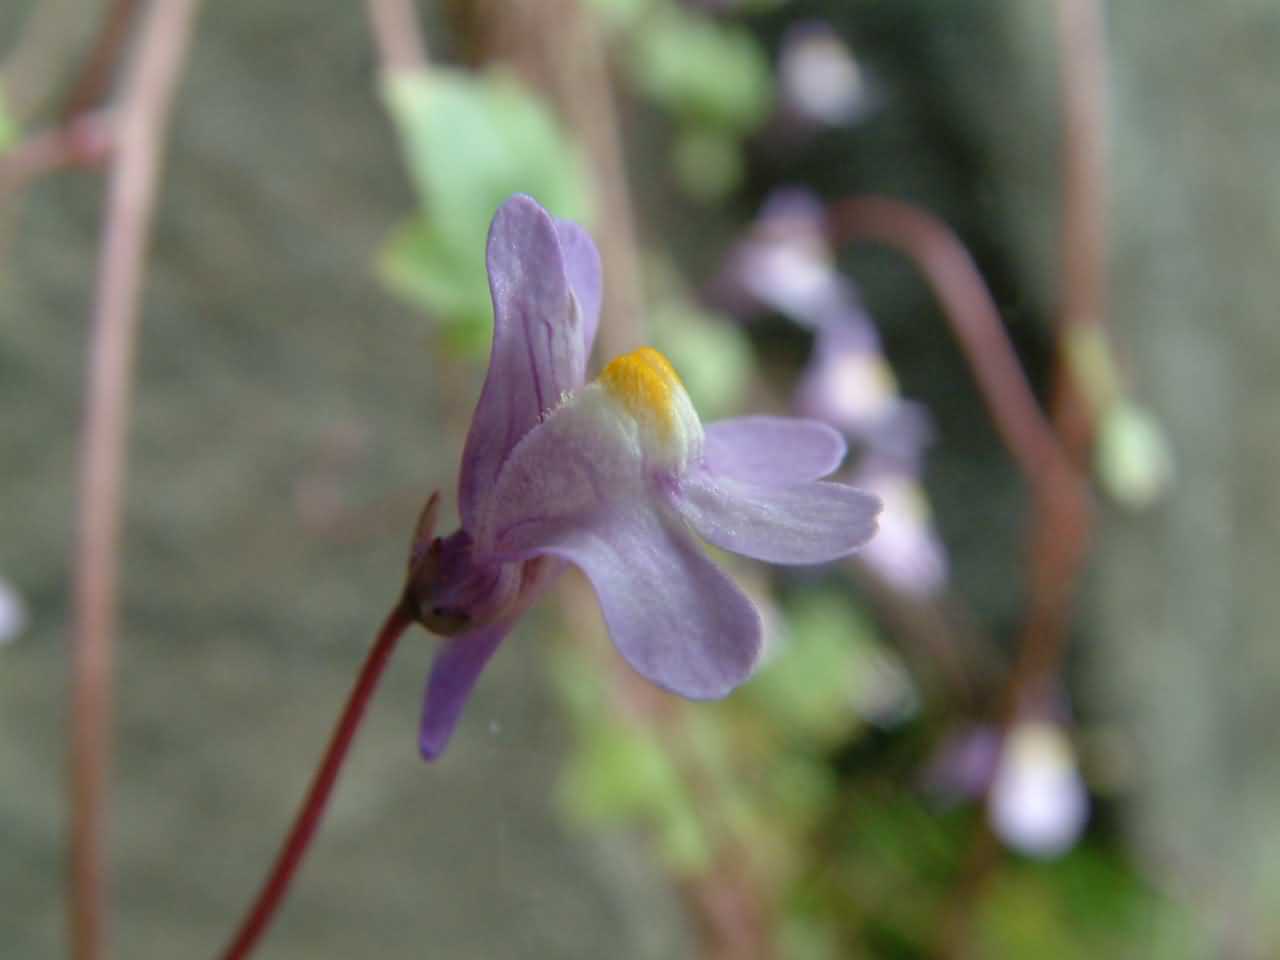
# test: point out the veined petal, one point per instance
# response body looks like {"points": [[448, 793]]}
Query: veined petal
{"points": [[805, 523], [539, 349], [573, 465], [772, 450], [582, 264], [453, 676], [678, 620]]}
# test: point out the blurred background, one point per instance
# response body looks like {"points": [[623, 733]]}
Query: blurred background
{"points": [[1035, 718]]}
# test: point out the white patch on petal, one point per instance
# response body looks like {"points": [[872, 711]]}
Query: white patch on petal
{"points": [[646, 386]]}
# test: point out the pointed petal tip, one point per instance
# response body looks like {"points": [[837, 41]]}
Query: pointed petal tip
{"points": [[453, 676], [429, 750]]}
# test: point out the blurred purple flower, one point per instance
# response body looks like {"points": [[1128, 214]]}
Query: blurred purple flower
{"points": [[785, 264], [963, 764], [906, 552], [819, 82], [1038, 803], [850, 385], [13, 612], [612, 476]]}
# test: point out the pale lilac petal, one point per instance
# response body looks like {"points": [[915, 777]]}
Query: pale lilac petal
{"points": [[671, 613], [538, 345], [453, 676], [772, 450], [807, 523], [574, 465], [582, 263]]}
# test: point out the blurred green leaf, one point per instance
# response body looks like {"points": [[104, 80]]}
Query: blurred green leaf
{"points": [[1133, 459], [470, 141], [618, 14], [620, 773], [419, 263], [704, 71], [1085, 905], [712, 355], [808, 938], [10, 132], [708, 163], [810, 686]]}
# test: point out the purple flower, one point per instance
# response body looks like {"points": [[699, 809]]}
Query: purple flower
{"points": [[784, 263], [615, 477], [1038, 803], [819, 81]]}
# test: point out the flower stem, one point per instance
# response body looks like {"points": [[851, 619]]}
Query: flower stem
{"points": [[313, 805], [143, 116]]}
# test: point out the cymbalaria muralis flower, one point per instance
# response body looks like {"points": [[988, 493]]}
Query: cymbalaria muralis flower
{"points": [[615, 477]]}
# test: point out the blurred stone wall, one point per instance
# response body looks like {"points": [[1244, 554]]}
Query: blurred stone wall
{"points": [[290, 417]]}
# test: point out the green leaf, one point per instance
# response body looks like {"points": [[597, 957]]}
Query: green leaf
{"points": [[712, 355], [708, 163], [470, 141], [620, 14], [420, 264], [620, 773], [810, 688], [10, 131], [704, 71]]}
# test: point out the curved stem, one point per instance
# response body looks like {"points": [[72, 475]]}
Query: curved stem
{"points": [[304, 827], [95, 73], [971, 312], [131, 195]]}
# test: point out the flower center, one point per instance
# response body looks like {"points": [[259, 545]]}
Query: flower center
{"points": [[644, 383]]}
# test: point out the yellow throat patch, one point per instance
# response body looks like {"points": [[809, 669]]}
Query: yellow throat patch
{"points": [[647, 385]]}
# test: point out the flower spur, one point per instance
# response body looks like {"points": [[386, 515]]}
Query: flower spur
{"points": [[614, 477]]}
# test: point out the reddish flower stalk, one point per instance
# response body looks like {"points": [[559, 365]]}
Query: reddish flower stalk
{"points": [[314, 804]]}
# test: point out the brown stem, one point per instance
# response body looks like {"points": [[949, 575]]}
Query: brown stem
{"points": [[973, 317], [1062, 532], [84, 141], [295, 847], [95, 75], [397, 34], [588, 99], [1062, 527], [130, 200]]}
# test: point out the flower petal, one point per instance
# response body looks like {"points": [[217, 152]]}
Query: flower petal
{"points": [[453, 676], [805, 523], [582, 263], [772, 450], [569, 468], [538, 344], [671, 613]]}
